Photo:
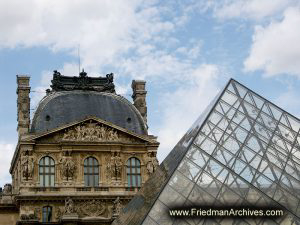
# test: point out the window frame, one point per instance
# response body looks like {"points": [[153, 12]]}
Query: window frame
{"points": [[133, 172], [47, 175], [47, 214], [91, 171]]}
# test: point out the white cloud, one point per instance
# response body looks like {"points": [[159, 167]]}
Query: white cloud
{"points": [[104, 29], [133, 37], [249, 9], [6, 152], [290, 101], [184, 105], [275, 48]]}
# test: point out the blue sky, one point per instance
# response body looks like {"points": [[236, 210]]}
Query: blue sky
{"points": [[185, 50]]}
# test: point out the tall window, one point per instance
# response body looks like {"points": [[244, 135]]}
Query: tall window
{"points": [[47, 214], [134, 172], [91, 172], [46, 171]]}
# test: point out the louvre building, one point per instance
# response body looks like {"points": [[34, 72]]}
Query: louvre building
{"points": [[83, 156], [242, 151]]}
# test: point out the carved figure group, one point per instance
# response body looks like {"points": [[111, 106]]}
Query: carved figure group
{"points": [[91, 132]]}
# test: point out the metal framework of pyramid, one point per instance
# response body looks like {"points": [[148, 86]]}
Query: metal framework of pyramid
{"points": [[243, 150]]}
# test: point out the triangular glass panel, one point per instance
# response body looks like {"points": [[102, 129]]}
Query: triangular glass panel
{"points": [[242, 150], [258, 101], [241, 90]]}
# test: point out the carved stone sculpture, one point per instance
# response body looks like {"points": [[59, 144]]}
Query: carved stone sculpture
{"points": [[69, 206], [7, 190], [117, 207], [95, 132], [152, 163], [114, 166], [27, 164], [68, 167]]}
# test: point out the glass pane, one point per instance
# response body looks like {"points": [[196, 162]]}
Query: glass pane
{"points": [[95, 162], [41, 180], [128, 180], [52, 180], [137, 162], [47, 180], [86, 183], [133, 180], [96, 180], [46, 160]]}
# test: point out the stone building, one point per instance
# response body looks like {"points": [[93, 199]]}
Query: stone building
{"points": [[243, 153], [83, 156]]}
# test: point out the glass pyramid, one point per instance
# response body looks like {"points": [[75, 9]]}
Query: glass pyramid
{"points": [[244, 150]]}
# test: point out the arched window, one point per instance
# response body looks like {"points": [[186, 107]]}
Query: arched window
{"points": [[134, 172], [47, 214], [91, 172], [46, 171]]}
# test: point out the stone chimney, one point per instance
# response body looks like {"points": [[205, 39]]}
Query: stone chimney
{"points": [[139, 97], [23, 104]]}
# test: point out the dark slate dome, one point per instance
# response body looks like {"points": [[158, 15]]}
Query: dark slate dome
{"points": [[62, 107]]}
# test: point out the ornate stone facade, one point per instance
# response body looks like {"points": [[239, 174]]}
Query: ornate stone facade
{"points": [[77, 172]]}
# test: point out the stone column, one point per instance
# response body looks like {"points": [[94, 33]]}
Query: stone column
{"points": [[23, 104], [139, 97]]}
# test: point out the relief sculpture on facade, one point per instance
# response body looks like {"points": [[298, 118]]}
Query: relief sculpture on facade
{"points": [[91, 132], [152, 163], [114, 167], [117, 207], [68, 167], [91, 208], [95, 132], [69, 206], [27, 164]]}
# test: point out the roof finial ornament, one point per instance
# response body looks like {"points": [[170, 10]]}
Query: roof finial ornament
{"points": [[82, 74]]}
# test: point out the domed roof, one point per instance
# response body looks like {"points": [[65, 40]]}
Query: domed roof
{"points": [[62, 107]]}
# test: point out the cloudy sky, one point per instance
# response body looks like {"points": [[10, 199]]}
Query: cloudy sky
{"points": [[185, 50]]}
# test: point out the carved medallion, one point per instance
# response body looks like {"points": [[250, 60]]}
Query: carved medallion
{"points": [[91, 208]]}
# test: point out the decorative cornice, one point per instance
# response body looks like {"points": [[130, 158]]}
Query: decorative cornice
{"points": [[83, 82]]}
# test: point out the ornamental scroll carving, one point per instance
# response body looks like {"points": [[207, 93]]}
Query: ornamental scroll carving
{"points": [[94, 132], [91, 208], [152, 163]]}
